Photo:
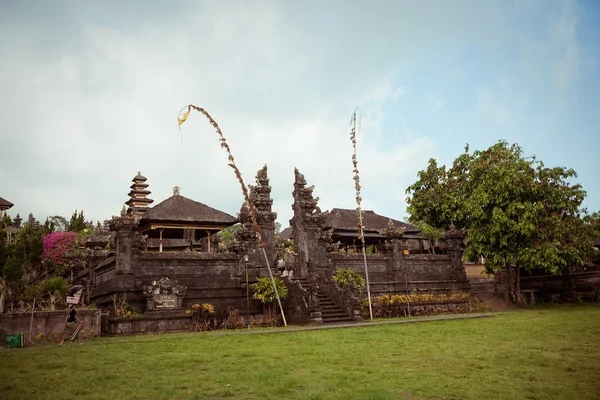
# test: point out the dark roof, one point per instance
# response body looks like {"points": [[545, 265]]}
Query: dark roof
{"points": [[178, 208], [5, 204], [286, 233], [139, 177], [347, 220]]}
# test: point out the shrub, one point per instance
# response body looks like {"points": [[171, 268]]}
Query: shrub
{"points": [[403, 305], [205, 317], [349, 281], [263, 291]]}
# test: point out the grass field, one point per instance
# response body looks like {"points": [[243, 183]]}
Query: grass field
{"points": [[549, 353]]}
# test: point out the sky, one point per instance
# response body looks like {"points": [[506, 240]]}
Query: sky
{"points": [[90, 93]]}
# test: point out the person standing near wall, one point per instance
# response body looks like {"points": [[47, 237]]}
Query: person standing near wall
{"points": [[73, 326]]}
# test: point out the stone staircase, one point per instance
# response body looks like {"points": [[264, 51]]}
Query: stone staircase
{"points": [[331, 313]]}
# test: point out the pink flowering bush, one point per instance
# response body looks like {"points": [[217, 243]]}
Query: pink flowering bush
{"points": [[57, 246]]}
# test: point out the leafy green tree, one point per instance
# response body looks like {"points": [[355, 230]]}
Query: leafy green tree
{"points": [[349, 281], [517, 212], [77, 222], [277, 228], [55, 288], [60, 223], [226, 236], [264, 291]]}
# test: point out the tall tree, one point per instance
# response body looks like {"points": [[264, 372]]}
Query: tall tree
{"points": [[77, 222], [517, 212]]}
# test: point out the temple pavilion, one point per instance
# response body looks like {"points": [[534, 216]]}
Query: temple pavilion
{"points": [[177, 223], [343, 225], [4, 205]]}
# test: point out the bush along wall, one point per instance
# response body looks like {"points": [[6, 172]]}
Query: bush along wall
{"points": [[415, 304]]}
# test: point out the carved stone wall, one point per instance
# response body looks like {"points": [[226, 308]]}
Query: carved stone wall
{"points": [[213, 278], [260, 196], [392, 272], [310, 241]]}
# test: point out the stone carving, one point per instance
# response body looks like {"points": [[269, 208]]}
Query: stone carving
{"points": [[164, 294], [310, 240], [164, 286], [260, 195]]}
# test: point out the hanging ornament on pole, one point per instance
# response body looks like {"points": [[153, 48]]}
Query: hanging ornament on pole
{"points": [[361, 233], [183, 116]]}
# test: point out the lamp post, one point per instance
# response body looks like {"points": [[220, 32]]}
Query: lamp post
{"points": [[247, 292]]}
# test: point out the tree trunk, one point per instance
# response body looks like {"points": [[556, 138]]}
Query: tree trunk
{"points": [[52, 301], [518, 284], [511, 284], [2, 298]]}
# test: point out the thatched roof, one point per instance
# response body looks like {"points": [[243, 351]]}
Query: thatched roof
{"points": [[286, 233], [344, 223], [180, 209], [5, 204], [347, 220]]}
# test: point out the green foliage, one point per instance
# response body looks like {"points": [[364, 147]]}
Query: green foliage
{"points": [[205, 317], [60, 223], [56, 288], [284, 248], [227, 235], [516, 211], [349, 281], [263, 290], [415, 304], [426, 360], [77, 222], [277, 228]]}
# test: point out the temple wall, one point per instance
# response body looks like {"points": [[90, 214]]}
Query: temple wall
{"points": [[47, 325], [401, 273], [213, 278]]}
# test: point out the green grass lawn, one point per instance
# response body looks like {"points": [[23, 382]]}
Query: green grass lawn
{"points": [[549, 353]]}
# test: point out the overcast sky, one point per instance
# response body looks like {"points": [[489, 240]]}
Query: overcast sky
{"points": [[90, 92]]}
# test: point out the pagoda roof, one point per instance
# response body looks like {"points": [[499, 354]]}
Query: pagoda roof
{"points": [[134, 191], [139, 177], [138, 184], [138, 200], [180, 209], [5, 204]]}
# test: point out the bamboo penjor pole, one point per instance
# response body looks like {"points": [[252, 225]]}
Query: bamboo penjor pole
{"points": [[183, 116], [358, 208]]}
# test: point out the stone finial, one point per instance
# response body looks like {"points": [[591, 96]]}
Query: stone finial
{"points": [[176, 191]]}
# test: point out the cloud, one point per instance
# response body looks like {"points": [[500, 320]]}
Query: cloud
{"points": [[90, 96]]}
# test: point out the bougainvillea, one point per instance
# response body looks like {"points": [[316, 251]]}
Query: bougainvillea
{"points": [[57, 246]]}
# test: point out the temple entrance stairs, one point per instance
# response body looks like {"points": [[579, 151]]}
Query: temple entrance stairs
{"points": [[331, 313]]}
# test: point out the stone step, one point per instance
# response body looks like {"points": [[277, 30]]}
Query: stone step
{"points": [[333, 314], [337, 320], [328, 305]]}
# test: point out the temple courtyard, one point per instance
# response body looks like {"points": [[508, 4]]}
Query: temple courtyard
{"points": [[549, 352]]}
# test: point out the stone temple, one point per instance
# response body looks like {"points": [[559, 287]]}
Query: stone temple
{"points": [[165, 257]]}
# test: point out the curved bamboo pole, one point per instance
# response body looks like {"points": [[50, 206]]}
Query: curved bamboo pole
{"points": [[183, 116], [358, 209]]}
